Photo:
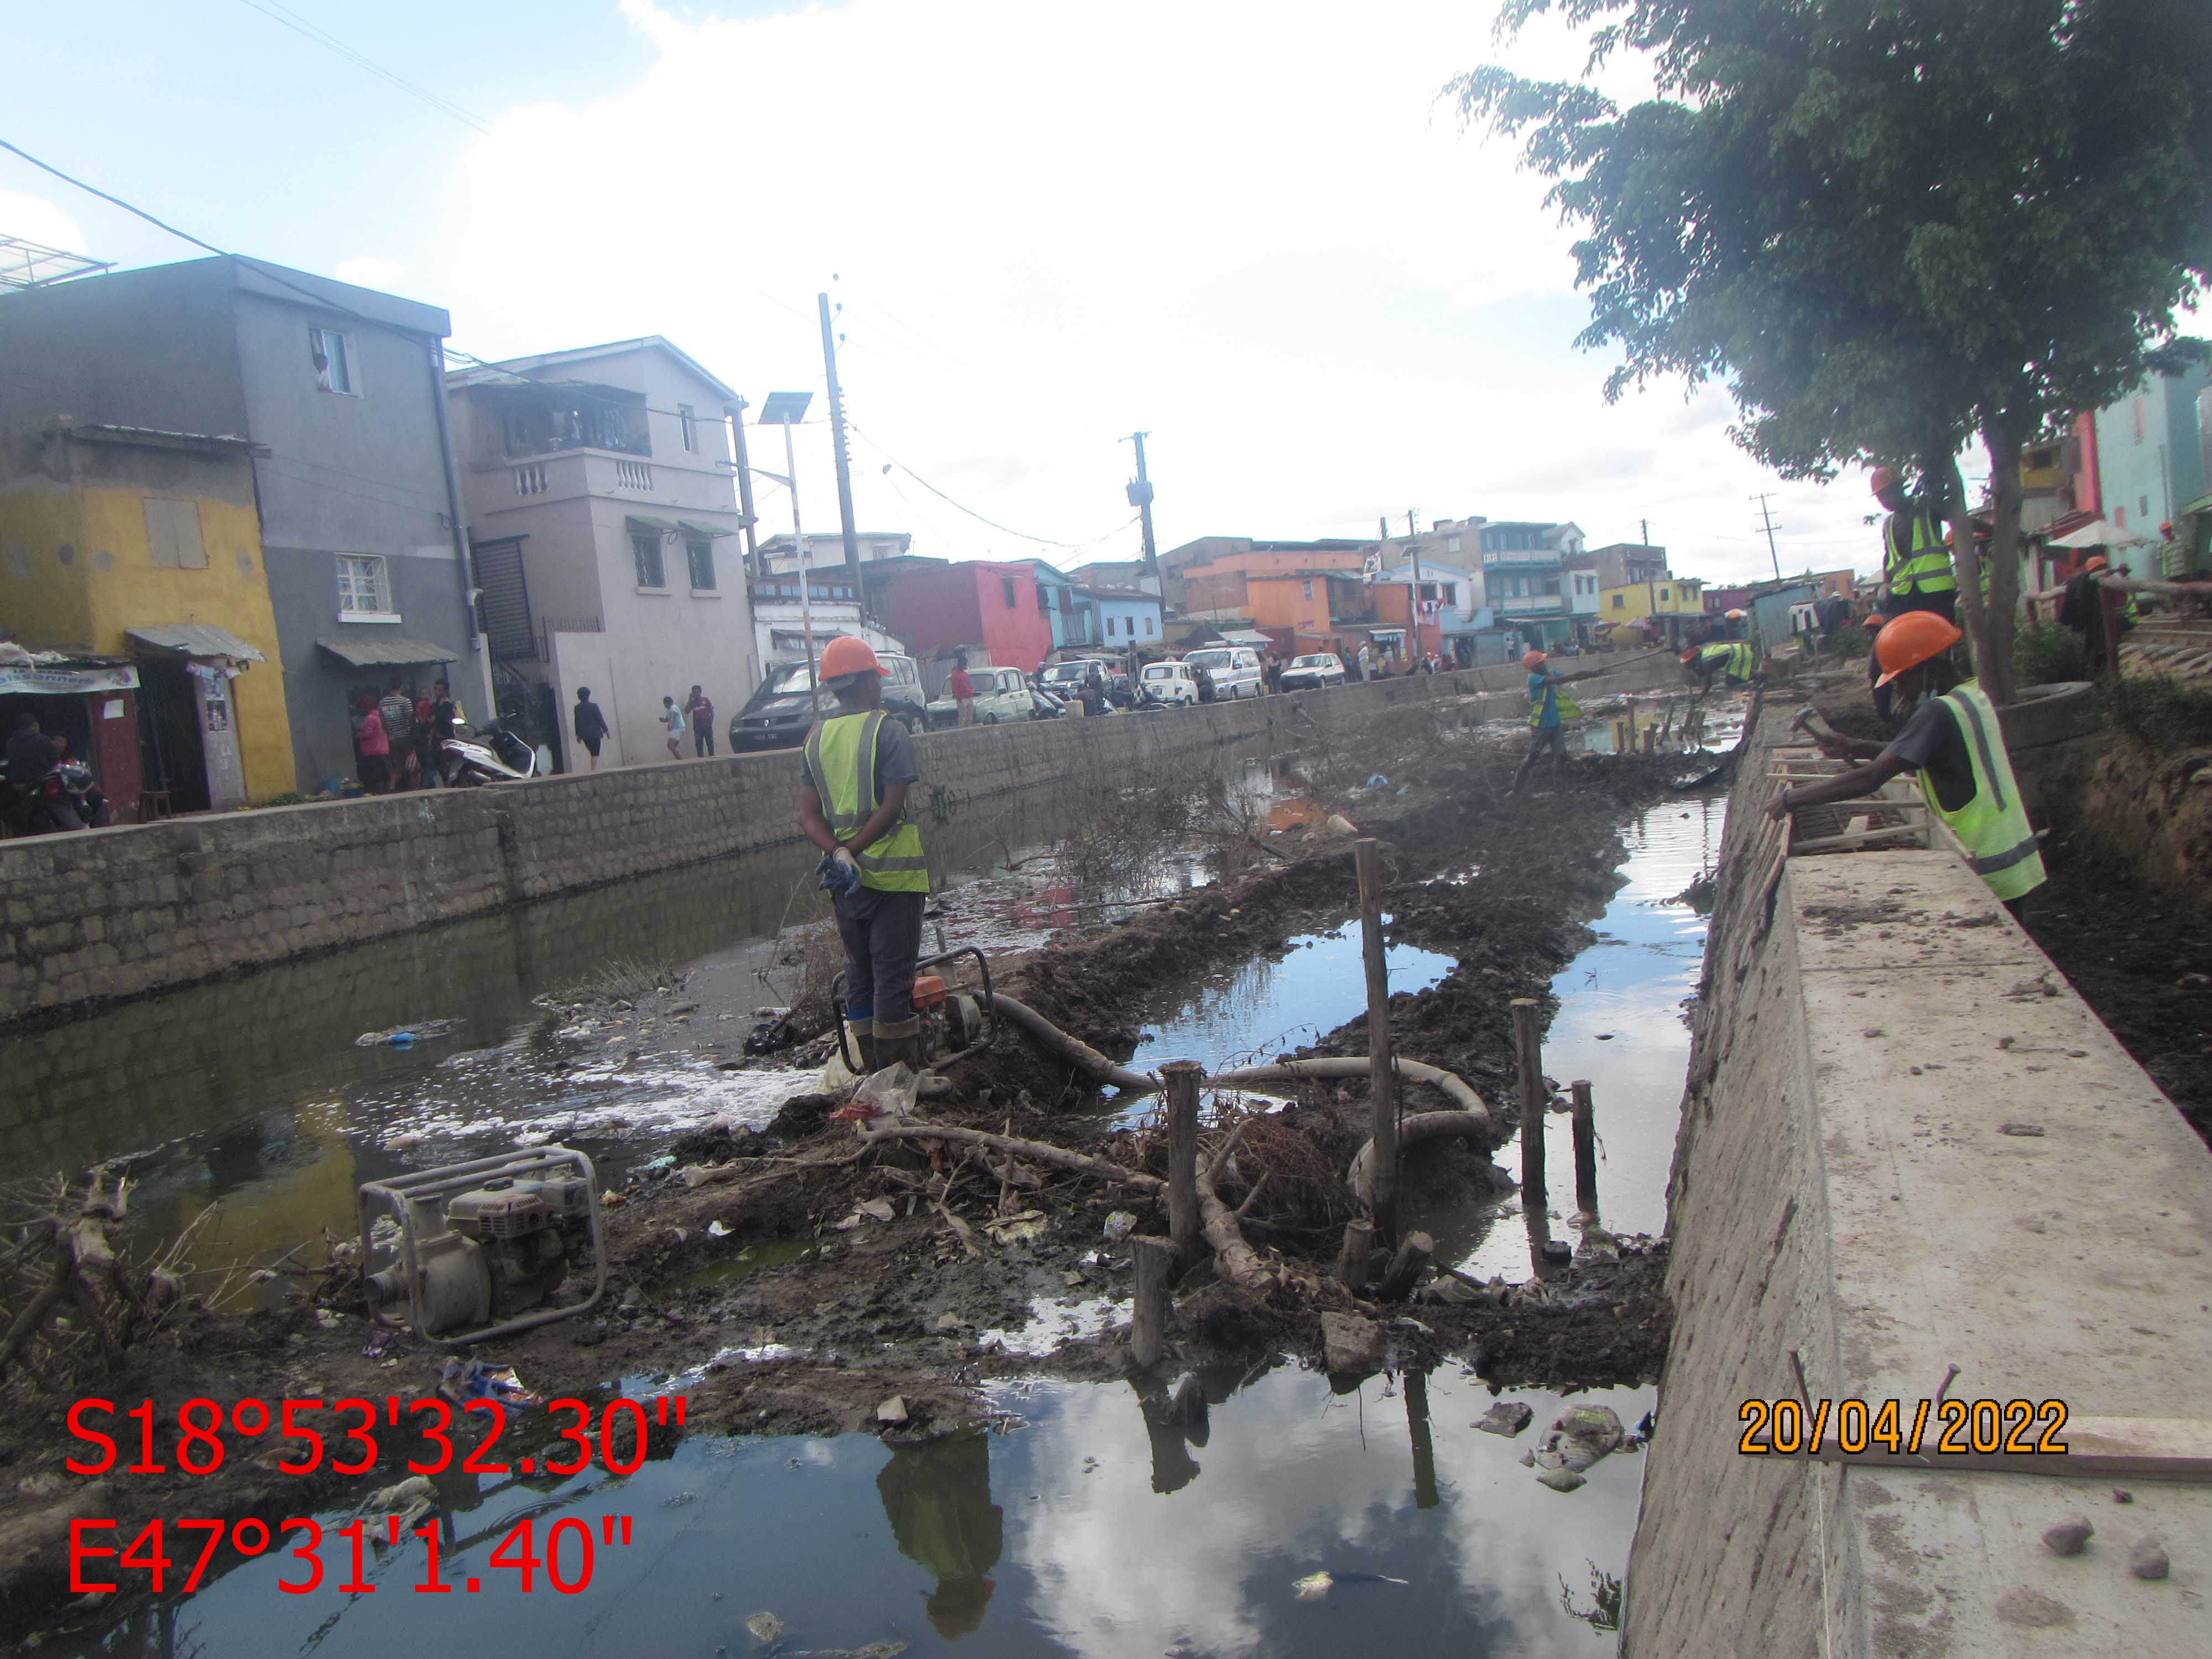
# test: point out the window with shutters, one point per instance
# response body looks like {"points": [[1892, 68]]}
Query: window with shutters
{"points": [[331, 350], [173, 534]]}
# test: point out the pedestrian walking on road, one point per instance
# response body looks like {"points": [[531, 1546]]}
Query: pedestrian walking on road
{"points": [[961, 689], [854, 773], [672, 718], [701, 708], [1546, 714], [1952, 741], [591, 724]]}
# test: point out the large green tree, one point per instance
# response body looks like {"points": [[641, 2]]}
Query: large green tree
{"points": [[1890, 227]]}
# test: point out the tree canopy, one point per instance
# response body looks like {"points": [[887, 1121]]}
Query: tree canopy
{"points": [[1885, 224]]}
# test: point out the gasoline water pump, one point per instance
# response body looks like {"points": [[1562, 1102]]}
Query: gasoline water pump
{"points": [[955, 1019], [475, 1250]]}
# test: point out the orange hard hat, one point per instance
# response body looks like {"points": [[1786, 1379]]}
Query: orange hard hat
{"points": [[848, 655], [1735, 615], [1532, 659], [1885, 477], [2096, 562], [1872, 619], [1691, 655], [1910, 639]]}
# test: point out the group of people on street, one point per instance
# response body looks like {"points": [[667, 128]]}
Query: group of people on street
{"points": [[696, 711], [399, 737]]}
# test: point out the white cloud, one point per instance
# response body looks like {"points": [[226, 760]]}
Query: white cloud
{"points": [[370, 271], [1256, 232], [34, 219]]}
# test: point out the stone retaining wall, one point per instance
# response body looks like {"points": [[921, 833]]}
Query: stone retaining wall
{"points": [[120, 913]]}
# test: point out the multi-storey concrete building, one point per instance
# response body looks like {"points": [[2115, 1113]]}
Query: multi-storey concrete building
{"points": [[337, 395], [602, 503]]}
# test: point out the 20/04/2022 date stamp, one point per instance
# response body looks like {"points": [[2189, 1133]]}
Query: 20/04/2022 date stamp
{"points": [[1944, 1428]]}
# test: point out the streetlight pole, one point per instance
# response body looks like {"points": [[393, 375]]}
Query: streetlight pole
{"points": [[786, 409]]}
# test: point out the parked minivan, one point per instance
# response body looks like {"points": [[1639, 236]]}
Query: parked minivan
{"points": [[780, 714], [1226, 671], [1001, 694]]}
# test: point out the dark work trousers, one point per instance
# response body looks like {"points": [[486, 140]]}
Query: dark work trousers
{"points": [[1551, 737], [882, 934], [702, 741]]}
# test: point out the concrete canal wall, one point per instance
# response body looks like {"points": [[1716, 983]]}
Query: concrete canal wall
{"points": [[125, 912], [1907, 1146]]}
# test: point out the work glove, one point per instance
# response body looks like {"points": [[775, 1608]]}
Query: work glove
{"points": [[840, 872]]}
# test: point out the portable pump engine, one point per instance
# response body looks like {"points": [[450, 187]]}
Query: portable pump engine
{"points": [[481, 1245], [955, 1019]]}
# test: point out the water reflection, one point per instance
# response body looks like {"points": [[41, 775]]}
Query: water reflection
{"points": [[1059, 1538]]}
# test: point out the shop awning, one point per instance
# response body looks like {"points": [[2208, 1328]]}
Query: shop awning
{"points": [[197, 640], [388, 651], [1250, 636]]}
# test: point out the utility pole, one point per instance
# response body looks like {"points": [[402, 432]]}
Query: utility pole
{"points": [[1769, 518], [837, 446], [1412, 528], [1643, 525], [736, 414], [1140, 497]]}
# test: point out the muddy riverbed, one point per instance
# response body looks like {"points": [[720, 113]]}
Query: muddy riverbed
{"points": [[798, 1295]]}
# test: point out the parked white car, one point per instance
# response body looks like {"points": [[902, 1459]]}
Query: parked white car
{"points": [[1310, 673], [1232, 671], [1168, 682], [1001, 694]]}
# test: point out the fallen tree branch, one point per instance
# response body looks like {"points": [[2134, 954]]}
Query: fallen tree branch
{"points": [[1038, 1151], [713, 1174]]}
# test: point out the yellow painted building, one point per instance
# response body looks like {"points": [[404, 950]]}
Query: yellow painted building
{"points": [[124, 543], [1669, 596]]}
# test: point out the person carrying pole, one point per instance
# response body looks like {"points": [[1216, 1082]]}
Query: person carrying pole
{"points": [[1952, 741], [1546, 714], [854, 773]]}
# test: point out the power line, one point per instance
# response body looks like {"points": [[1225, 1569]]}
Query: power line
{"points": [[291, 20], [1019, 535]]}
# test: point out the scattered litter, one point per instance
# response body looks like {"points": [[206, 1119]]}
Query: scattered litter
{"points": [[2068, 1537], [766, 1627], [2019, 1128], [406, 1037], [666, 1161], [1018, 1228], [383, 1343], [464, 1380], [1376, 780], [2122, 1495], [891, 1091], [1340, 826], [1506, 1417], [410, 1500], [679, 1500], [2148, 1560], [892, 1411], [1315, 1585], [1119, 1225], [610, 1198], [716, 1230], [405, 1138]]}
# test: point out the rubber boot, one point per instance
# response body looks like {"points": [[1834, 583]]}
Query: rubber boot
{"points": [[889, 1051], [869, 1062]]}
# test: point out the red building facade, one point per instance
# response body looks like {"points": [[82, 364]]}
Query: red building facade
{"points": [[936, 607]]}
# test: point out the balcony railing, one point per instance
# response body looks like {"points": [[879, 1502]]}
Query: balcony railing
{"points": [[633, 475], [1548, 557], [1524, 604], [530, 480]]}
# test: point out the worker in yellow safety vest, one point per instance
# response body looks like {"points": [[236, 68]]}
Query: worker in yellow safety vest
{"points": [[1915, 564], [857, 767], [1731, 658], [1953, 741]]}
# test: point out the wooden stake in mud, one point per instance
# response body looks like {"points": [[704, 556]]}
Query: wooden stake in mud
{"points": [[1425, 1496], [1352, 1260], [1180, 1079], [1382, 1079], [1585, 1148], [1148, 1318], [1528, 1049]]}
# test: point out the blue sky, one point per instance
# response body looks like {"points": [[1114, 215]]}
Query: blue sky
{"points": [[1248, 228]]}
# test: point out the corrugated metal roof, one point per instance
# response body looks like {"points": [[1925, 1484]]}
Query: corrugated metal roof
{"points": [[391, 650], [197, 640]]}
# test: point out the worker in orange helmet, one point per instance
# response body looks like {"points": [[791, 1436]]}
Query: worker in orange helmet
{"points": [[2082, 608], [1953, 741], [1544, 714], [854, 776], [1915, 564]]}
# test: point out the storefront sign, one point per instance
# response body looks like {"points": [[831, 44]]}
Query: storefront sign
{"points": [[65, 682]]}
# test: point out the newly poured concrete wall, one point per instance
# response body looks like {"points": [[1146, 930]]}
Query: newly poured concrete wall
{"points": [[121, 913], [1908, 1145]]}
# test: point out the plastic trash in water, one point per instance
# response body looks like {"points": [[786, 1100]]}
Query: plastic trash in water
{"points": [[1378, 781], [464, 1380]]}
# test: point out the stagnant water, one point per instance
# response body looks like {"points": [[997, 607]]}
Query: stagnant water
{"points": [[1088, 1526]]}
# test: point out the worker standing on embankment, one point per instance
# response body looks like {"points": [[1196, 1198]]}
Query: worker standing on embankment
{"points": [[854, 778], [1953, 743]]}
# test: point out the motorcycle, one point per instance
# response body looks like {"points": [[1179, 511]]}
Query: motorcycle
{"points": [[51, 801], [486, 754]]}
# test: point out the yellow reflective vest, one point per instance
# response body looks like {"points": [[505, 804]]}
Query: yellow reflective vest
{"points": [[1732, 656], [841, 758], [1993, 824], [1925, 566]]}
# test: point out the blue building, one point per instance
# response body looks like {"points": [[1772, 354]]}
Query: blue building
{"points": [[1125, 617]]}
